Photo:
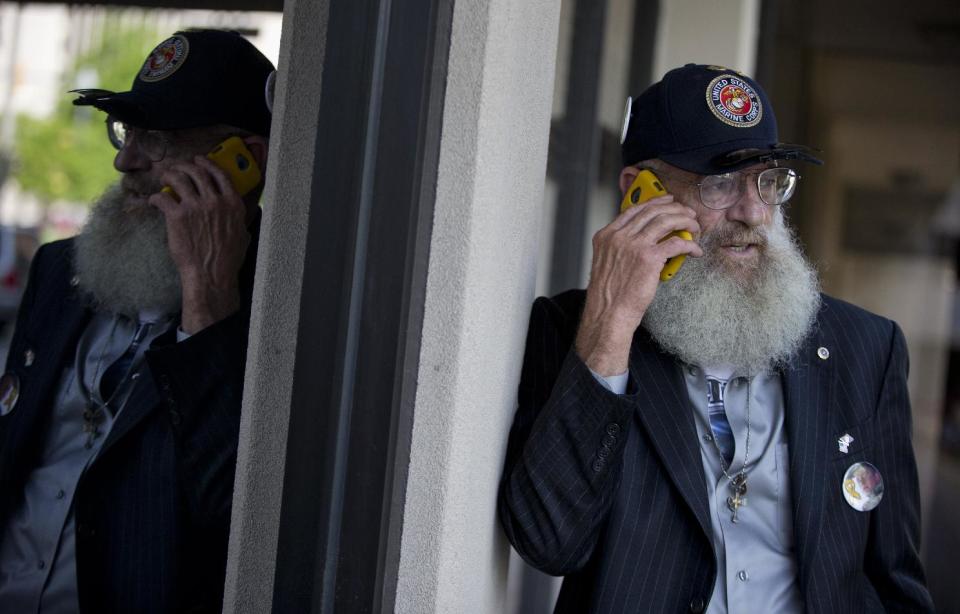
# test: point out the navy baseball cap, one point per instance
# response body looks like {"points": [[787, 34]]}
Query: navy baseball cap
{"points": [[195, 78], [707, 120]]}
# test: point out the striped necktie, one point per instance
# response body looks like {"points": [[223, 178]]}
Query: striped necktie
{"points": [[117, 372], [719, 424]]}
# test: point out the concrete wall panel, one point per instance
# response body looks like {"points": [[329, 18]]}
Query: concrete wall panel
{"points": [[276, 312], [479, 289]]}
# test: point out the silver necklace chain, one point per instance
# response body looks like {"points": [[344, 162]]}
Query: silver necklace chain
{"points": [[93, 411], [93, 414], [738, 484]]}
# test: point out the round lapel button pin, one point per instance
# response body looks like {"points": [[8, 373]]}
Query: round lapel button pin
{"points": [[9, 393], [863, 486]]}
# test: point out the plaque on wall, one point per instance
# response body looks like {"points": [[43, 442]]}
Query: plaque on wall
{"points": [[888, 221]]}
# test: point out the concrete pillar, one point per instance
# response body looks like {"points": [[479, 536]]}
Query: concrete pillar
{"points": [[479, 290], [276, 312]]}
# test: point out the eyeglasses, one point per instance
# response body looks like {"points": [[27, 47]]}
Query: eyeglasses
{"points": [[152, 143], [774, 185]]}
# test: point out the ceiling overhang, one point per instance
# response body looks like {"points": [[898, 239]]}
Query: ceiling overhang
{"points": [[216, 5]]}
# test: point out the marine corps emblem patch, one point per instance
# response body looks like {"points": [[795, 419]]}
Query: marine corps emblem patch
{"points": [[165, 59], [734, 102]]}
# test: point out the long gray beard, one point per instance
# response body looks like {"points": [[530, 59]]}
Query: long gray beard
{"points": [[122, 259], [707, 316]]}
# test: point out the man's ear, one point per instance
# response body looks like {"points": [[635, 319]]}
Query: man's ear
{"points": [[627, 175], [258, 146]]}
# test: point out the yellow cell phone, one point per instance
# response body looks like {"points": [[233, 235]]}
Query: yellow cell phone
{"points": [[643, 188], [233, 156]]}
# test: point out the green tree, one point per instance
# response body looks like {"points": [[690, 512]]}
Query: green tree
{"points": [[67, 156]]}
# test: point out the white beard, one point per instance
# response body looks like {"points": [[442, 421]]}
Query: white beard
{"points": [[122, 260], [751, 319]]}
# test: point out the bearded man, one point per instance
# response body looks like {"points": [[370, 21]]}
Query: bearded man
{"points": [[120, 405], [682, 446]]}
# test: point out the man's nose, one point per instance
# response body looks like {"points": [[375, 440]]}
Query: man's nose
{"points": [[750, 208], [130, 158]]}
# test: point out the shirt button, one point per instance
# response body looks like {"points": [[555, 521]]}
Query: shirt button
{"points": [[708, 438], [743, 575], [60, 494]]}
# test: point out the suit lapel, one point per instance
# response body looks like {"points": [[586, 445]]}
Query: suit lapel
{"points": [[59, 343], [143, 399], [665, 412], [809, 385], [53, 347]]}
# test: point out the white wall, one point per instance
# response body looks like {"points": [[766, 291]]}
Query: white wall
{"points": [[722, 32], [479, 289]]}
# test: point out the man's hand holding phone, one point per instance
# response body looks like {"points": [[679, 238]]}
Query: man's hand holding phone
{"points": [[629, 255], [232, 156], [206, 221]]}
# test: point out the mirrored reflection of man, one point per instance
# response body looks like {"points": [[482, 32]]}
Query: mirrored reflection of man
{"points": [[121, 396], [682, 446]]}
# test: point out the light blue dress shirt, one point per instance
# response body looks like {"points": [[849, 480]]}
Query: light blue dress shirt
{"points": [[756, 563]]}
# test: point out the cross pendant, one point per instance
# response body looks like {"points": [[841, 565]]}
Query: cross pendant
{"points": [[92, 417], [739, 499]]}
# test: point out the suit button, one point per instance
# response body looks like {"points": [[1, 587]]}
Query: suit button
{"points": [[608, 441], [175, 417], [696, 606], [613, 429], [603, 452], [598, 465]]}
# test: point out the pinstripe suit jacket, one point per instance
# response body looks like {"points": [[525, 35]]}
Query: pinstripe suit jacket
{"points": [[153, 510], [609, 490]]}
